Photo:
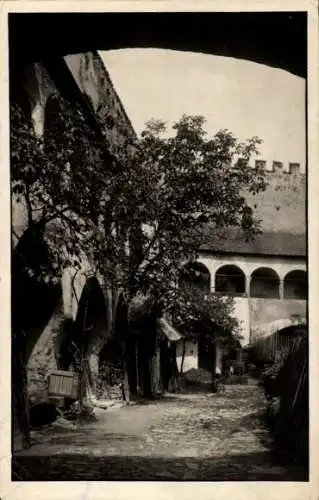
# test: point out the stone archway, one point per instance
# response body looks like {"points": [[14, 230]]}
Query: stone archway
{"points": [[273, 338], [84, 337], [242, 34]]}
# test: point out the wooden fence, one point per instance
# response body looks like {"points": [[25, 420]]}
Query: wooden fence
{"points": [[291, 421]]}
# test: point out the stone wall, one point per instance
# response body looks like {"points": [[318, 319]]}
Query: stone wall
{"points": [[191, 361], [93, 80], [32, 87], [282, 206], [242, 313], [35, 85], [266, 311], [43, 357]]}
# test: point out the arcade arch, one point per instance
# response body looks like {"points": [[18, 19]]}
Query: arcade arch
{"points": [[230, 280], [295, 285], [264, 283], [195, 275]]}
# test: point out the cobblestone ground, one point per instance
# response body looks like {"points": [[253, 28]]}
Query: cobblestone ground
{"points": [[192, 436]]}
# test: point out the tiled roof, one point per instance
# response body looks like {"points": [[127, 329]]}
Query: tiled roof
{"points": [[231, 240]]}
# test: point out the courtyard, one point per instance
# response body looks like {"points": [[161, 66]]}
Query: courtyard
{"points": [[179, 437]]}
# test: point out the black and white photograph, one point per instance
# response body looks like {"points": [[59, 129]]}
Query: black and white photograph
{"points": [[159, 246]]}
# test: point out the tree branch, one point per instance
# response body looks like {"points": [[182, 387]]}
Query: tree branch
{"points": [[29, 205]]}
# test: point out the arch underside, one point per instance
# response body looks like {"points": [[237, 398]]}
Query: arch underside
{"points": [[283, 325], [275, 338], [239, 35]]}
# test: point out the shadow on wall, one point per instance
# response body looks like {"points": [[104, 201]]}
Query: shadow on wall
{"points": [[33, 300]]}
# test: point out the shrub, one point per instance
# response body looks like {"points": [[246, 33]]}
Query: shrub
{"points": [[109, 382]]}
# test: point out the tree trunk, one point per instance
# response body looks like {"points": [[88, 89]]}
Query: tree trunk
{"points": [[145, 360], [83, 375], [138, 381], [126, 385], [183, 357], [147, 386], [20, 409], [156, 389], [93, 364], [174, 369], [122, 332], [213, 358], [88, 396], [165, 365]]}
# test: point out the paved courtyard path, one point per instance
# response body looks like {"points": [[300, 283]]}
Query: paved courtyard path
{"points": [[192, 436]]}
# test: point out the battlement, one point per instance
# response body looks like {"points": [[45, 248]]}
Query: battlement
{"points": [[282, 206], [277, 167]]}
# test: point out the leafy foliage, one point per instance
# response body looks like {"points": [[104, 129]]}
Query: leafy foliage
{"points": [[137, 217], [189, 181], [206, 316], [53, 178]]}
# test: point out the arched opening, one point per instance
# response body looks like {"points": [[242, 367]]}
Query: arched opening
{"points": [[33, 300], [237, 35], [20, 99], [89, 331], [296, 285], [111, 356], [52, 116], [264, 283], [230, 280], [195, 276]]}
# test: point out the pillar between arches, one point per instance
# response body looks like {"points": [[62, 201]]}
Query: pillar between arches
{"points": [[247, 287]]}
